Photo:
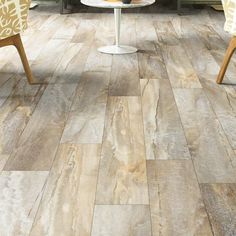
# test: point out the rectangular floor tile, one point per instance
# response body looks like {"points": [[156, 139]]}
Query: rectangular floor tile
{"points": [[20, 195], [122, 173], [68, 201], [15, 114], [125, 71], [212, 154], [175, 199], [121, 220], [39, 141], [179, 68], [163, 131], [87, 116], [151, 62], [220, 201]]}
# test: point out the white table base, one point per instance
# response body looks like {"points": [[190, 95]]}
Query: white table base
{"points": [[117, 48], [114, 49]]}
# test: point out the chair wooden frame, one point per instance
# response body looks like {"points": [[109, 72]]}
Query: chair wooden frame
{"points": [[228, 55], [15, 40]]}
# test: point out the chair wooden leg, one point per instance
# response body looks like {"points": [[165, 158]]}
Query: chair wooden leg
{"points": [[228, 55], [19, 46]]}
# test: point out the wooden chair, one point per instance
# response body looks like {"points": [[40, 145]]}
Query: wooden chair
{"points": [[230, 26], [13, 20]]}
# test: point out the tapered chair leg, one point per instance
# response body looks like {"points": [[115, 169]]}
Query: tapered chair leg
{"points": [[228, 55], [19, 46]]}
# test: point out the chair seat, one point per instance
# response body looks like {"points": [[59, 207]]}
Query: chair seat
{"points": [[13, 17]]}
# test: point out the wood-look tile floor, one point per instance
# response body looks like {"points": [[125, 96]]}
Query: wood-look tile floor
{"points": [[141, 144]]}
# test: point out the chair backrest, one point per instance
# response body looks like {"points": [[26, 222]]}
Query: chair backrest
{"points": [[13, 17], [230, 15]]}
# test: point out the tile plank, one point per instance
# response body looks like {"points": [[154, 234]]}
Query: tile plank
{"points": [[67, 204], [163, 131], [220, 201], [125, 72], [19, 200], [15, 113], [87, 115], [121, 220], [175, 199], [213, 157], [39, 141], [179, 68], [122, 174]]}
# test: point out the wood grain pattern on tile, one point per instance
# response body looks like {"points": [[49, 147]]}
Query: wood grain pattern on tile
{"points": [[45, 64], [104, 36], [19, 200], [151, 62], [125, 72], [87, 116], [163, 131], [67, 204], [39, 141], [122, 173], [212, 154], [175, 199], [120, 220], [220, 201], [15, 114], [179, 68]]}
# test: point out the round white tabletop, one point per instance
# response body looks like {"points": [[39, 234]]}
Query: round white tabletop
{"points": [[117, 6]]}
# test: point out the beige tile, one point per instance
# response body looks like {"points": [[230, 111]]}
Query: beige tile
{"points": [[39, 141], [19, 200], [15, 114], [175, 199], [213, 157], [121, 220], [125, 72], [163, 131], [67, 204], [220, 201], [179, 68], [87, 116], [122, 174], [104, 36], [151, 62]]}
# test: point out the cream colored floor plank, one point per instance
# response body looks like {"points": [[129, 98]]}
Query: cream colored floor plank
{"points": [[120, 220], [39, 141], [85, 31], [213, 156], [45, 64], [15, 114], [87, 116], [164, 135], [68, 201], [179, 68], [125, 76], [98, 61], [19, 200], [220, 201], [122, 173], [125, 71], [175, 199], [7, 88], [67, 29], [151, 62]]}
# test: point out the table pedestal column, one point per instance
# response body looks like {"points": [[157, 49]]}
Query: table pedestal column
{"points": [[117, 48]]}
